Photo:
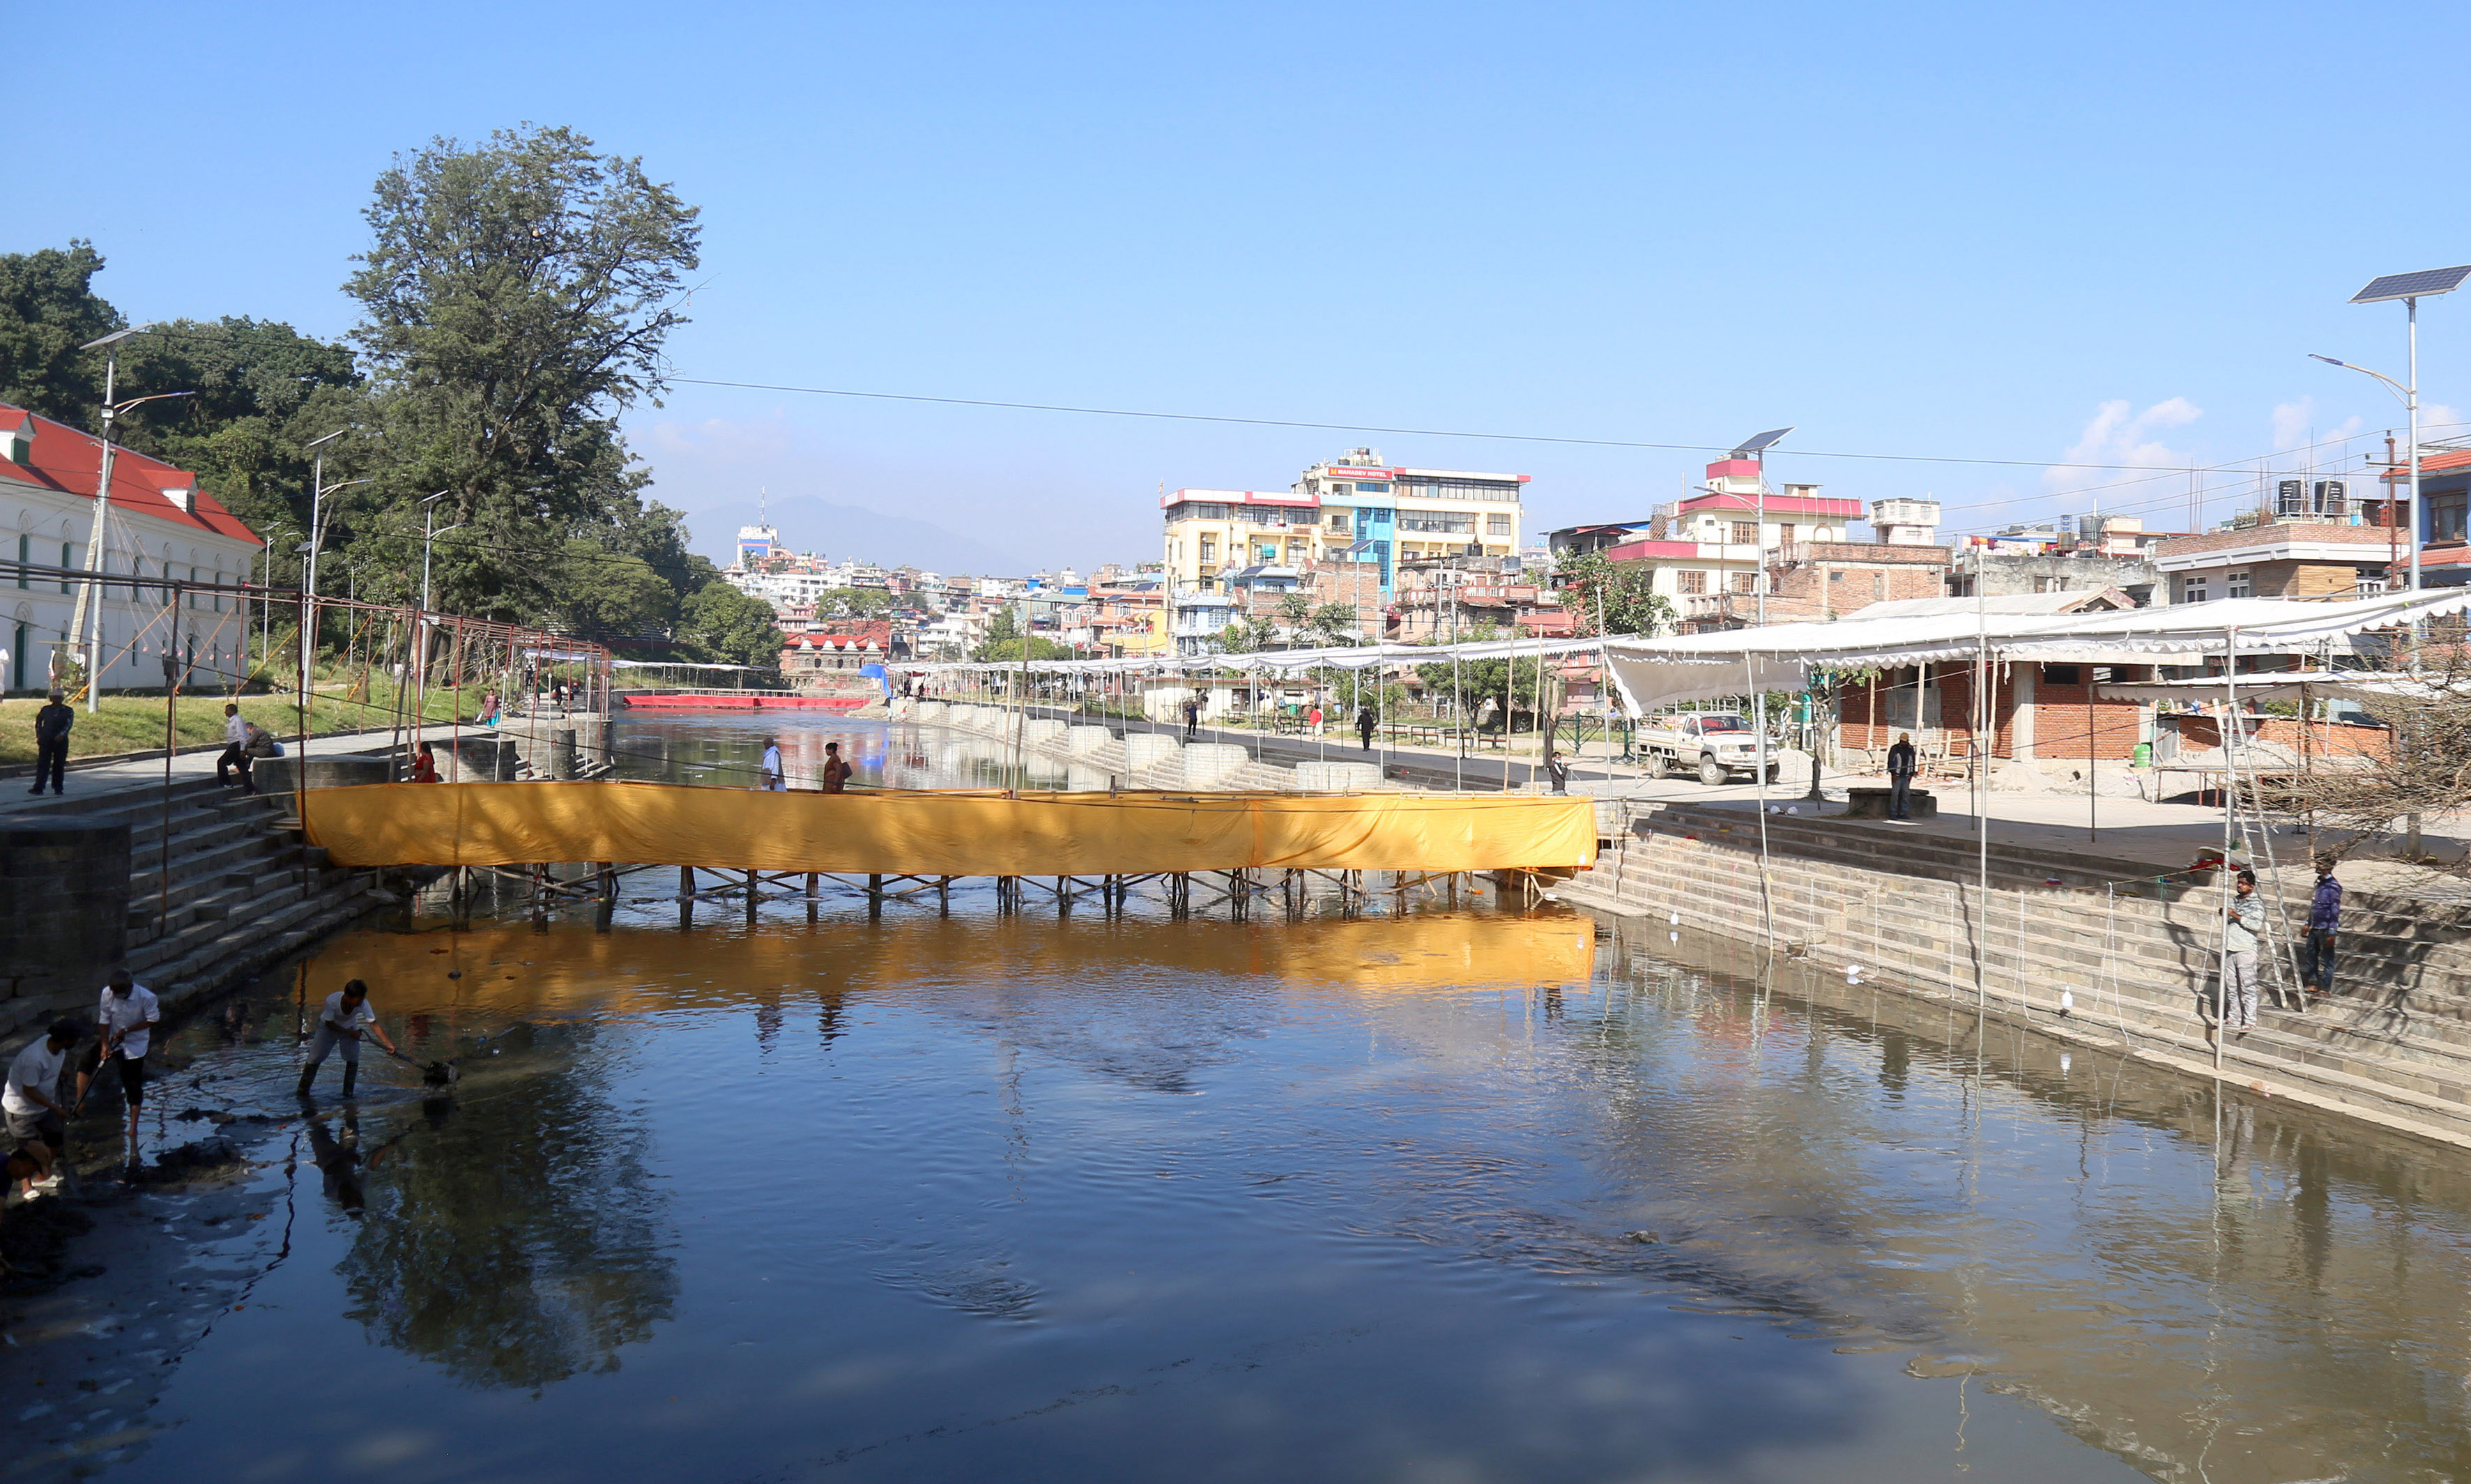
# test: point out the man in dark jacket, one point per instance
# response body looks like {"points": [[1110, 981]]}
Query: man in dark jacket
{"points": [[1901, 774], [52, 726], [1365, 723], [2325, 921]]}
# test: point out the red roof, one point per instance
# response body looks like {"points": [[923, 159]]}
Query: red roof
{"points": [[69, 461], [2429, 464], [1776, 504]]}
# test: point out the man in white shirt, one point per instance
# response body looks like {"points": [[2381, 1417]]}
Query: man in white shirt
{"points": [[31, 1100], [235, 743], [342, 1023], [127, 1015], [773, 780]]}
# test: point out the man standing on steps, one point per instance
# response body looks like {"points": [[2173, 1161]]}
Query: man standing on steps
{"points": [[52, 726], [2325, 921], [235, 754], [127, 1015], [1901, 775], [342, 1023], [2239, 921]]}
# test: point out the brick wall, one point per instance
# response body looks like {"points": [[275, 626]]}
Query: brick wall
{"points": [[1822, 586]]}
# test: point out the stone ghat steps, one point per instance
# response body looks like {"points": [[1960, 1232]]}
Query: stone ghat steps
{"points": [[2426, 947], [2408, 1077], [244, 893], [2077, 940]]}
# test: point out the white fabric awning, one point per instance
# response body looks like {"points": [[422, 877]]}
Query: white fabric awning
{"points": [[1363, 656], [1652, 672]]}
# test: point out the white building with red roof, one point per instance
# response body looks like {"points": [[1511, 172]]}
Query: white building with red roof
{"points": [[159, 525]]}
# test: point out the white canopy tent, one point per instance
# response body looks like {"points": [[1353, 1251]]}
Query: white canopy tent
{"points": [[1364, 656], [1653, 672]]}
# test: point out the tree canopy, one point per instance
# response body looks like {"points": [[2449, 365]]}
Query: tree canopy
{"points": [[48, 308], [725, 626], [515, 299], [1622, 593]]}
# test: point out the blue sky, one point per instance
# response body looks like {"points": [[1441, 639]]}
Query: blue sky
{"points": [[2027, 233]]}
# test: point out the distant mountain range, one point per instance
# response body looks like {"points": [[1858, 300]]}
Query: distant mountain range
{"points": [[845, 533]]}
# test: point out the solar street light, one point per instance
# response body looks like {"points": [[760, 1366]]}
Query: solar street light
{"points": [[2410, 288]]}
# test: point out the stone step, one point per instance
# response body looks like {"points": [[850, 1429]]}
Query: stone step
{"points": [[2033, 966]]}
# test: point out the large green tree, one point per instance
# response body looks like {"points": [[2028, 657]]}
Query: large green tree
{"points": [[48, 308], [725, 626], [516, 294]]}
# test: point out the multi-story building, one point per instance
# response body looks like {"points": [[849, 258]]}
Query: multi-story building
{"points": [[2300, 559], [1354, 509], [163, 529], [1716, 543]]}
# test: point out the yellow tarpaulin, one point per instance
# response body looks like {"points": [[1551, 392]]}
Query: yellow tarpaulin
{"points": [[944, 834]]}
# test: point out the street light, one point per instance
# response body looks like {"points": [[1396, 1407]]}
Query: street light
{"points": [[431, 531], [1756, 446], [2410, 289], [265, 609], [87, 620]]}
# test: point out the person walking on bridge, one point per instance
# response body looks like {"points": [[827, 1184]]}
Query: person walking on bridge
{"points": [[52, 726], [835, 771], [773, 781], [345, 1019], [1901, 775]]}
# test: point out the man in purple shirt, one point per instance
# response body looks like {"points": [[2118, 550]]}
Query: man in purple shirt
{"points": [[2325, 921]]}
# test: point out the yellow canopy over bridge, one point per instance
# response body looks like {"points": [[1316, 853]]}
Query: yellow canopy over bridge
{"points": [[957, 833]]}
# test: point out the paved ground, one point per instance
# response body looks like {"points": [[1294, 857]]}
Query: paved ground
{"points": [[121, 783]]}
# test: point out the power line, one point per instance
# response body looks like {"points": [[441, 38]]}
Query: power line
{"points": [[1354, 427]]}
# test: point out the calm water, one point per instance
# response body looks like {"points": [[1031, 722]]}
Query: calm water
{"points": [[1416, 1195]]}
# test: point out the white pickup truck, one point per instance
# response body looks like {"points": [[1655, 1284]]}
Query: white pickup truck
{"points": [[1715, 744]]}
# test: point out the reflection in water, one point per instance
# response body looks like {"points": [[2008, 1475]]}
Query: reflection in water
{"points": [[1414, 1194], [521, 1242]]}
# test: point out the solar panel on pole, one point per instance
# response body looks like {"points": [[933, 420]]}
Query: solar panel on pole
{"points": [[2410, 286]]}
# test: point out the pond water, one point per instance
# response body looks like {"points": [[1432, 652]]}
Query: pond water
{"points": [[1403, 1192]]}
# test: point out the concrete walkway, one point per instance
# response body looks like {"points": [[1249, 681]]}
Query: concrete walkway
{"points": [[119, 784]]}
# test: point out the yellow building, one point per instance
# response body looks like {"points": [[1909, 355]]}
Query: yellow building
{"points": [[1350, 509]]}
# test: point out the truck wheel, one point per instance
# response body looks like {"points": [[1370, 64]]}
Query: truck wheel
{"points": [[1711, 772], [1667, 765]]}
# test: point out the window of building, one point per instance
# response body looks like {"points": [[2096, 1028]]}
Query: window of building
{"points": [[1690, 582], [2369, 581], [1210, 548], [1497, 525], [2235, 585], [1746, 581], [1784, 534], [1439, 522], [1836, 577], [1744, 532], [1338, 522], [2192, 589], [69, 558], [2061, 674]]}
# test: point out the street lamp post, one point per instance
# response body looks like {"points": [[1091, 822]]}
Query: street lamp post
{"points": [[1756, 447], [265, 608], [87, 620], [2410, 289]]}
